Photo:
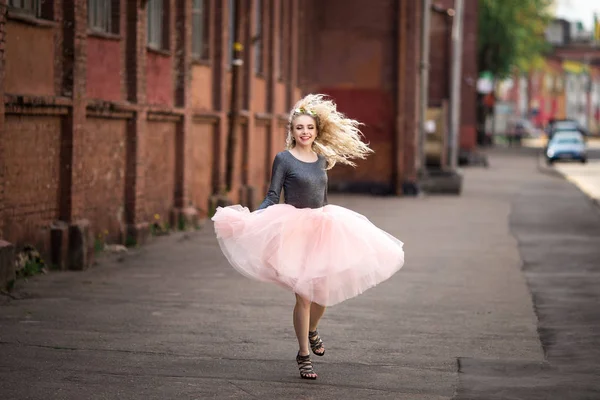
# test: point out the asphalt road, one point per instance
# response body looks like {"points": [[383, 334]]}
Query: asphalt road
{"points": [[497, 300], [558, 231]]}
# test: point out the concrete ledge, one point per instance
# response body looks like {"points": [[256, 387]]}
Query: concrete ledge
{"points": [[185, 218], [59, 245], [138, 233], [217, 200], [7, 263], [247, 194], [81, 245], [441, 182]]}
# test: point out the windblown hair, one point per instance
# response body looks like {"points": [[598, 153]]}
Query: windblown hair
{"points": [[338, 137]]}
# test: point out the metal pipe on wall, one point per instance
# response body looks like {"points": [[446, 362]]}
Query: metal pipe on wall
{"points": [[456, 83], [424, 84]]}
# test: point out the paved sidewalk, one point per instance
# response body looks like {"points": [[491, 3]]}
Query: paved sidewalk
{"points": [[173, 321], [585, 176]]}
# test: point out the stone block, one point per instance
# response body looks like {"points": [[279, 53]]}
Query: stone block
{"points": [[137, 234], [217, 200], [7, 263], [81, 245], [441, 182], [59, 245], [185, 218]]}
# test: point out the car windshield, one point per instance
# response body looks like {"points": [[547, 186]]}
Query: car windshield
{"points": [[567, 140], [564, 126]]}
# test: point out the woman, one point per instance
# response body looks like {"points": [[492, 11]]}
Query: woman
{"points": [[324, 253]]}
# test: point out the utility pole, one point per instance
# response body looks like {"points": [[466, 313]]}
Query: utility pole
{"points": [[234, 107], [455, 90], [424, 85]]}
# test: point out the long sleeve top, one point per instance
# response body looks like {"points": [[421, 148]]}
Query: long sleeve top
{"points": [[304, 183]]}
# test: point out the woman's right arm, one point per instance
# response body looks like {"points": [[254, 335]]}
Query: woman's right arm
{"points": [[277, 179]]}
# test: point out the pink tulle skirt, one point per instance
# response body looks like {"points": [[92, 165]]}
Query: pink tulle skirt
{"points": [[326, 255]]}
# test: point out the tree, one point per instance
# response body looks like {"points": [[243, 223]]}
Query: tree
{"points": [[511, 35]]}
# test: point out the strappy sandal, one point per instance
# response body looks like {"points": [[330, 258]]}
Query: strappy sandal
{"points": [[316, 343], [305, 366]]}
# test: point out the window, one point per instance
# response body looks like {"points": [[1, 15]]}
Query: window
{"points": [[200, 27], [158, 25], [258, 42], [30, 7], [43, 9], [103, 15]]}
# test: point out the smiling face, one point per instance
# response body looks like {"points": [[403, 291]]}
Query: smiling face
{"points": [[304, 130]]}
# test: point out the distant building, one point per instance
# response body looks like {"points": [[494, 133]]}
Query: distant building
{"points": [[568, 85]]}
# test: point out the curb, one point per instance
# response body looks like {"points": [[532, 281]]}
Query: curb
{"points": [[595, 201], [552, 171]]}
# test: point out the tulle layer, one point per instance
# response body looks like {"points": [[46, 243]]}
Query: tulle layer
{"points": [[326, 255]]}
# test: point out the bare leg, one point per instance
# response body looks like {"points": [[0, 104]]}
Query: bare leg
{"points": [[301, 322], [316, 312]]}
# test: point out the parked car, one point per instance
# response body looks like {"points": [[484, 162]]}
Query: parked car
{"points": [[566, 146], [564, 125]]}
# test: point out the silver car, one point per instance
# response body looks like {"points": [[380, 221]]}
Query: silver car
{"points": [[566, 146]]}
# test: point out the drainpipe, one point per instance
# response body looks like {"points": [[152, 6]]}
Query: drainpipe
{"points": [[457, 41], [424, 85], [234, 107]]}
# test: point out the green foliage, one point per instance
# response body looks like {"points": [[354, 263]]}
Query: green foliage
{"points": [[29, 263], [130, 241], [511, 35]]}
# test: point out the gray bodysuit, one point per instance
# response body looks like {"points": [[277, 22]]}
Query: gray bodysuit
{"points": [[304, 183]]}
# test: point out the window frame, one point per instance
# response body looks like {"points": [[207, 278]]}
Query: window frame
{"points": [[201, 44], [39, 10], [158, 40], [258, 42], [282, 35], [111, 24], [34, 10]]}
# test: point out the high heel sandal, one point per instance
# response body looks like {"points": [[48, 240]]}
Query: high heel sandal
{"points": [[316, 343], [305, 366]]}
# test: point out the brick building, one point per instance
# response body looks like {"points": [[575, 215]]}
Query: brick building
{"points": [[115, 113], [441, 61], [565, 85], [365, 54]]}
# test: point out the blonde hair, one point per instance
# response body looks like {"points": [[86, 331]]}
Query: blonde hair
{"points": [[338, 137]]}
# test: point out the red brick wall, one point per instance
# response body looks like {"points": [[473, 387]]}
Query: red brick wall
{"points": [[440, 58], [409, 82], [352, 59], [123, 161], [374, 108], [2, 139], [32, 177], [200, 87], [103, 80], [159, 165], [29, 59], [201, 164], [257, 165], [103, 180], [159, 86]]}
